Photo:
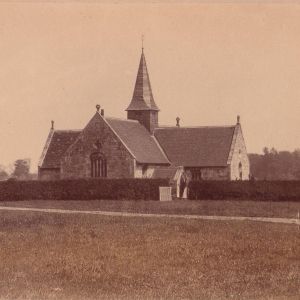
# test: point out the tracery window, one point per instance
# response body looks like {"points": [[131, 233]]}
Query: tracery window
{"points": [[98, 165]]}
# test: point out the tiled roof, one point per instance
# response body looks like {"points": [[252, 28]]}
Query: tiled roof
{"points": [[59, 143], [190, 147], [138, 140], [196, 146], [142, 98]]}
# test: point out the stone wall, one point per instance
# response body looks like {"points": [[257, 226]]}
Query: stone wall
{"points": [[209, 173], [239, 156], [220, 173], [213, 173], [48, 174], [144, 170], [147, 118], [97, 136]]}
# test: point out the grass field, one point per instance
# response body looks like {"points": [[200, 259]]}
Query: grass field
{"points": [[203, 207], [53, 256]]}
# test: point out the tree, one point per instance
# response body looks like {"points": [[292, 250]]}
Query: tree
{"points": [[273, 151], [22, 167], [266, 150], [3, 173]]}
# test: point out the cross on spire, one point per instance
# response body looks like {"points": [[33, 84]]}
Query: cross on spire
{"points": [[142, 42]]}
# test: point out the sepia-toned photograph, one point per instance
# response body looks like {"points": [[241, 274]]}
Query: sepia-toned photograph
{"points": [[149, 149]]}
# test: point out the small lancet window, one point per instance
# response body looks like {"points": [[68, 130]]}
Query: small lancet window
{"points": [[240, 171]]}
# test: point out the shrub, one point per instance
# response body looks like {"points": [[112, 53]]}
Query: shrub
{"points": [[245, 190], [82, 189]]}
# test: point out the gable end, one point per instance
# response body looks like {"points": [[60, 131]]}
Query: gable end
{"points": [[46, 147]]}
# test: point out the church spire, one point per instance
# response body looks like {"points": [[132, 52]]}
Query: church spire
{"points": [[142, 98]]}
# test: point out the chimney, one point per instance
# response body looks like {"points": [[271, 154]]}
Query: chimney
{"points": [[238, 119], [102, 112], [52, 125], [177, 122]]}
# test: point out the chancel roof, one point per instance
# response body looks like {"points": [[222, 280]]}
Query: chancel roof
{"points": [[196, 146]]}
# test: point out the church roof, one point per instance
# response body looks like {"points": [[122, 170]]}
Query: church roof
{"points": [[142, 98], [59, 142], [138, 140], [180, 146], [196, 146], [134, 136]]}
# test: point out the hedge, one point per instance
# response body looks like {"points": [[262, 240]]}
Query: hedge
{"points": [[82, 189], [245, 190]]}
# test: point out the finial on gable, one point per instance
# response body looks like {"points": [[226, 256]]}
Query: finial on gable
{"points": [[177, 122], [98, 107], [238, 119], [52, 124]]}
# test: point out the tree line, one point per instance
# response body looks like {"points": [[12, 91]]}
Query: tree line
{"points": [[275, 165]]}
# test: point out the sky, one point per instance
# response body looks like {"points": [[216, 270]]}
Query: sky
{"points": [[208, 63]]}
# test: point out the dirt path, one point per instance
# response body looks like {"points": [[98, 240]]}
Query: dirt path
{"points": [[128, 214]]}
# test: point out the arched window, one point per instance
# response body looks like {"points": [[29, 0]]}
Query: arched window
{"points": [[98, 165], [240, 171]]}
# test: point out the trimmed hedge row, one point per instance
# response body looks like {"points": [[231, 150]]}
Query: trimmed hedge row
{"points": [[147, 189], [82, 189], [245, 190]]}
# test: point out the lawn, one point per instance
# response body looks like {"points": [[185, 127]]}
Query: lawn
{"points": [[54, 256], [204, 207]]}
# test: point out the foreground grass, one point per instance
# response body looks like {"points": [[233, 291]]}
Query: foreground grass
{"points": [[52, 256], [203, 207]]}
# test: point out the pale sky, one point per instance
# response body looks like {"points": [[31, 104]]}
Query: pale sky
{"points": [[207, 64]]}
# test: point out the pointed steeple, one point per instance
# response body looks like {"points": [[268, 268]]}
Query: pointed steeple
{"points": [[142, 98]]}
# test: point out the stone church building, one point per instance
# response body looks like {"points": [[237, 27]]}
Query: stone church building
{"points": [[138, 147]]}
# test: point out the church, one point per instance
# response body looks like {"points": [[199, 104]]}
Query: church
{"points": [[138, 147]]}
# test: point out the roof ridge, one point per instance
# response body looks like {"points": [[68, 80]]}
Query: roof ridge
{"points": [[121, 119], [192, 127], [67, 130]]}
